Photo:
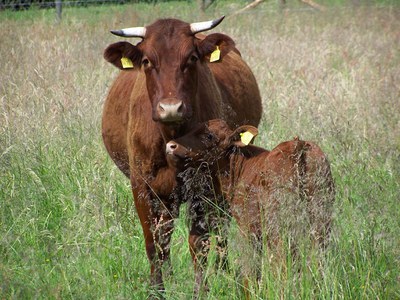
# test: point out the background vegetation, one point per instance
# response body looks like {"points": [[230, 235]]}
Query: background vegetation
{"points": [[68, 228]]}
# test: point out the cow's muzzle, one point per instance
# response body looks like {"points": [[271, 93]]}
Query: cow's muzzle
{"points": [[171, 147], [171, 110], [177, 151]]}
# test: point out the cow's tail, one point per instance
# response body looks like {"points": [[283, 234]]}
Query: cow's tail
{"points": [[301, 167]]}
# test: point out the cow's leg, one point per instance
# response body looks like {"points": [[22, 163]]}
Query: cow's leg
{"points": [[199, 243], [157, 225], [221, 229], [163, 227], [199, 246], [206, 218], [250, 260], [222, 250]]}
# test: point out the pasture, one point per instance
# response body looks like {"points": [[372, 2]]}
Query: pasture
{"points": [[68, 228]]}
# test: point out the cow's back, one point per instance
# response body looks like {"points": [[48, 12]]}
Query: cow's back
{"points": [[239, 90], [292, 177]]}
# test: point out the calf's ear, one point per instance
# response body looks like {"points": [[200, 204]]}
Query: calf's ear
{"points": [[123, 55], [216, 41], [243, 135]]}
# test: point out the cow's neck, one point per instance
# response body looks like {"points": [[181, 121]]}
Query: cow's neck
{"points": [[208, 102], [238, 163]]}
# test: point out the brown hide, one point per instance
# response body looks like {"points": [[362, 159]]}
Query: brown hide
{"points": [[255, 174], [171, 69], [116, 118], [226, 89], [257, 183], [294, 173]]}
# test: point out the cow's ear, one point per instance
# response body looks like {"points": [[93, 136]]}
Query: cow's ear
{"points": [[216, 41], [243, 135], [123, 55]]}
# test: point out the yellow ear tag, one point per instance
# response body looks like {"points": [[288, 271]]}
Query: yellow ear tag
{"points": [[246, 137], [216, 55], [126, 63]]}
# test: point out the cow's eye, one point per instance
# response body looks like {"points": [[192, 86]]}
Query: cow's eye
{"points": [[191, 61], [209, 137], [146, 63], [193, 58]]}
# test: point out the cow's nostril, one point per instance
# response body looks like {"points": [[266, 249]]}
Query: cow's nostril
{"points": [[180, 108], [171, 147]]}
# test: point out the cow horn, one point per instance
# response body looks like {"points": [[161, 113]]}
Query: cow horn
{"points": [[131, 32], [204, 26]]}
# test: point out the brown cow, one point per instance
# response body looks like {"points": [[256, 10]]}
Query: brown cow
{"points": [[259, 185], [168, 85]]}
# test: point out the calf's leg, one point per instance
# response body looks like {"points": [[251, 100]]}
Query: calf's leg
{"points": [[199, 246]]}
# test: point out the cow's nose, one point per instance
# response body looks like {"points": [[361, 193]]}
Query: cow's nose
{"points": [[171, 147], [170, 110]]}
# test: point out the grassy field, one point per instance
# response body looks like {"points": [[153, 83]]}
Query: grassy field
{"points": [[68, 229]]}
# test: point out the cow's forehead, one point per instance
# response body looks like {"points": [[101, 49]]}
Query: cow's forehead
{"points": [[168, 28], [219, 128], [168, 38], [169, 47]]}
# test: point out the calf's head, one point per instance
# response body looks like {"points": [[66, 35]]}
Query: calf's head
{"points": [[170, 56], [208, 142]]}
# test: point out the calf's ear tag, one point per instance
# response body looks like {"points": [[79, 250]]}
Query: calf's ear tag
{"points": [[246, 137], [216, 55], [126, 63]]}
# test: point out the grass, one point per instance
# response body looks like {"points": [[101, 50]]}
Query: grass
{"points": [[68, 228]]}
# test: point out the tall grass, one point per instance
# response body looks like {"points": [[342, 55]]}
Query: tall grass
{"points": [[68, 228]]}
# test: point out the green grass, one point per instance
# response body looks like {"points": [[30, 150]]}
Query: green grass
{"points": [[68, 228]]}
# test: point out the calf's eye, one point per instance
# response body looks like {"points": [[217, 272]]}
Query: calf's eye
{"points": [[193, 58], [209, 137]]}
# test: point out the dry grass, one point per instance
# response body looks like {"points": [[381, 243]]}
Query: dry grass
{"points": [[68, 229]]}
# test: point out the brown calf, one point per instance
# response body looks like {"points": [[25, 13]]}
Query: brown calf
{"points": [[258, 183]]}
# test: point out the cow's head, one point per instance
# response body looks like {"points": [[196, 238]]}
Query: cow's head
{"points": [[208, 142], [170, 56]]}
